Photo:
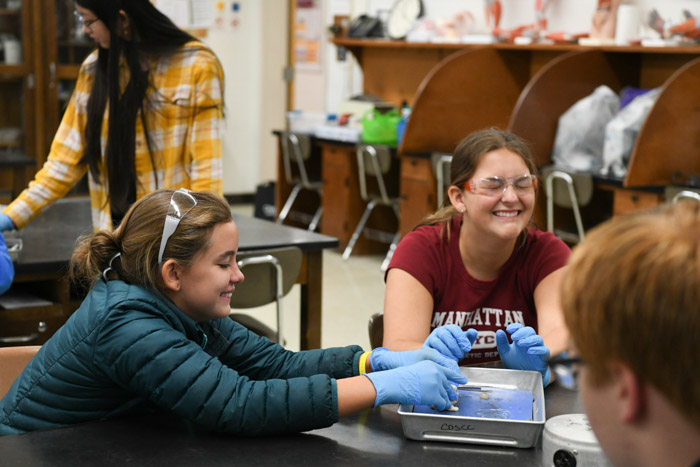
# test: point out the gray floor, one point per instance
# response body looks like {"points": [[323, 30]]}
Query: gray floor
{"points": [[353, 290]]}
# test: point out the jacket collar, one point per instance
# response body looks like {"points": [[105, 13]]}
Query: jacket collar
{"points": [[205, 334]]}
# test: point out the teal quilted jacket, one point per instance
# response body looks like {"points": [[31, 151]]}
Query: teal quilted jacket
{"points": [[126, 349]]}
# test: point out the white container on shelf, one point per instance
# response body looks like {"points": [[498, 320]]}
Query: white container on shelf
{"points": [[346, 134], [13, 49], [627, 26], [305, 122]]}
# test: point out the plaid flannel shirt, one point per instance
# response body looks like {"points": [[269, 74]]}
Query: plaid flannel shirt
{"points": [[184, 114]]}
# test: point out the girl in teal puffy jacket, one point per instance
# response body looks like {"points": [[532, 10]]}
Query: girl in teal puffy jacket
{"points": [[154, 331]]}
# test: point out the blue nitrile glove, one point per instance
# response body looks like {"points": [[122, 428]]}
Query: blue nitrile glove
{"points": [[451, 341], [527, 352], [6, 223], [425, 383], [382, 359], [7, 269]]}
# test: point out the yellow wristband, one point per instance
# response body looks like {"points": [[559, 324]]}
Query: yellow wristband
{"points": [[363, 362]]}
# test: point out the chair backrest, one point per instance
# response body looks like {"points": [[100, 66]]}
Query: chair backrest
{"points": [[269, 276], [373, 160], [296, 149], [376, 329], [441, 167], [12, 363], [569, 190], [678, 193]]}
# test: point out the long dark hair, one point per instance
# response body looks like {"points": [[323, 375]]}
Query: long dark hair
{"points": [[153, 34]]}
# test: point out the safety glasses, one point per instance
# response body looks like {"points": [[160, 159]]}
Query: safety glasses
{"points": [[80, 20], [181, 203], [566, 370], [496, 186]]}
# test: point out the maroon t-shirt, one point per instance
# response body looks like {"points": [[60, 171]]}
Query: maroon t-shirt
{"points": [[470, 303]]}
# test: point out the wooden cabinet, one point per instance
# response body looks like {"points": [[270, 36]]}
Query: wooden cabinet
{"points": [[30, 325], [65, 47], [342, 202], [18, 95], [338, 164], [633, 200], [455, 89], [40, 298], [418, 190], [42, 48], [35, 85]]}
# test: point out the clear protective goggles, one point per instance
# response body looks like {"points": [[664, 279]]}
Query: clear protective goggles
{"points": [[81, 21], [181, 202], [566, 370], [496, 186]]}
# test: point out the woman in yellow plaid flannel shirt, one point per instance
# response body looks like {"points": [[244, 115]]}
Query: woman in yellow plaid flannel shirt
{"points": [[164, 131]]}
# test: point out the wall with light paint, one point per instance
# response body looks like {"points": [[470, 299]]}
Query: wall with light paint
{"points": [[250, 39]]}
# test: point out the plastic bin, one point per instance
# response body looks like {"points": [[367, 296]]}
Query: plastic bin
{"points": [[305, 122]]}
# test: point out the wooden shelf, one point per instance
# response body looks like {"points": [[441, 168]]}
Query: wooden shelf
{"points": [[13, 71], [455, 89], [383, 43], [458, 88], [13, 158], [19, 90]]}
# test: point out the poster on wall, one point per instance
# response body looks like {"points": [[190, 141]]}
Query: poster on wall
{"points": [[308, 35], [188, 14]]}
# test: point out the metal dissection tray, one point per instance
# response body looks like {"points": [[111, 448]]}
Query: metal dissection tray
{"points": [[446, 426]]}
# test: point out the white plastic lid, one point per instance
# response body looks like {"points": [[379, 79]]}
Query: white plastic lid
{"points": [[569, 440], [573, 427]]}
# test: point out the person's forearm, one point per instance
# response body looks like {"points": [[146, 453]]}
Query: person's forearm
{"points": [[355, 394], [400, 345], [556, 339]]}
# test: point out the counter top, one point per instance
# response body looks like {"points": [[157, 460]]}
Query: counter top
{"points": [[50, 238], [372, 437]]}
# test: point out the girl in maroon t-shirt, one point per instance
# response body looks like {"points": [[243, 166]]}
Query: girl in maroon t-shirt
{"points": [[477, 263]]}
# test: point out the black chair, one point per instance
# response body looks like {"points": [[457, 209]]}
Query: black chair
{"points": [[269, 276], [296, 151]]}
